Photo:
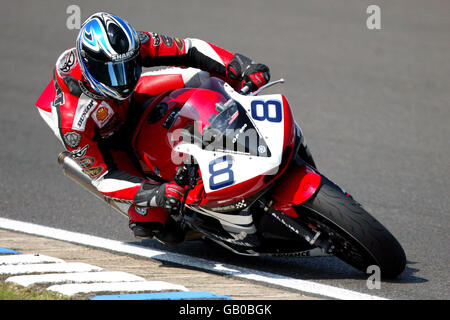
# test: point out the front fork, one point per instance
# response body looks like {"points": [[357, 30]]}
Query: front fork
{"points": [[293, 189], [311, 236]]}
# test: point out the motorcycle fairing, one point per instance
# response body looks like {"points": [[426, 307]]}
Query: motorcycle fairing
{"points": [[296, 186], [222, 170]]}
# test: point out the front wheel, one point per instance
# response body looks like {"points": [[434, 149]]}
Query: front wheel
{"points": [[352, 233]]}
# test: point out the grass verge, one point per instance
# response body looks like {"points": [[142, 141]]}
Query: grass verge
{"points": [[9, 291]]}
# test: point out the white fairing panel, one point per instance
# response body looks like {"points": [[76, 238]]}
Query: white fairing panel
{"points": [[221, 170]]}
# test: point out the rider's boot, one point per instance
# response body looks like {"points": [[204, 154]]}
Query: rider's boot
{"points": [[172, 233], [145, 230]]}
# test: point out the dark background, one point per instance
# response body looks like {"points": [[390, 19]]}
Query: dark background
{"points": [[373, 105]]}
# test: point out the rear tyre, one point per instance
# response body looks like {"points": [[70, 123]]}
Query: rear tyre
{"points": [[355, 236]]}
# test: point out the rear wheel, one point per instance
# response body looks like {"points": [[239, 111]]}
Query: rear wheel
{"points": [[353, 234]]}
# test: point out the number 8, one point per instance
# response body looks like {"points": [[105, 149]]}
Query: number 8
{"points": [[215, 173], [271, 110]]}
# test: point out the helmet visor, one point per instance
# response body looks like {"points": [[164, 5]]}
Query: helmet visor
{"points": [[124, 73]]}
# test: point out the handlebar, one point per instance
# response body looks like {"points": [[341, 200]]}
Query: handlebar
{"points": [[229, 102], [245, 90]]}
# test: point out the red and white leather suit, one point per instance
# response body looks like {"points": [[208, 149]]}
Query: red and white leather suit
{"points": [[87, 123]]}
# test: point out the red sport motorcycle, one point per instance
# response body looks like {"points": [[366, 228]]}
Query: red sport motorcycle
{"points": [[251, 183]]}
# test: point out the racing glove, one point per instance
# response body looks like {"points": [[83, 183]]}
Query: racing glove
{"points": [[166, 195], [254, 75]]}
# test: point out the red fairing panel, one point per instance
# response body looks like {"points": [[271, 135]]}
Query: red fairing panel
{"points": [[45, 100], [158, 157], [235, 193], [295, 187]]}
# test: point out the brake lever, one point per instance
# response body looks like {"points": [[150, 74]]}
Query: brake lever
{"points": [[267, 85]]}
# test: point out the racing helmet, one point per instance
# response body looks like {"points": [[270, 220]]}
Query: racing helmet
{"points": [[108, 53]]}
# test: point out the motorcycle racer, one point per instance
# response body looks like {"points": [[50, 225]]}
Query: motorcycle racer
{"points": [[99, 89]]}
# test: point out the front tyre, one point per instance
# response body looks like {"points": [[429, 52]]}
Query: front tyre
{"points": [[353, 234]]}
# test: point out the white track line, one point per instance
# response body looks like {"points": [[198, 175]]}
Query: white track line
{"points": [[78, 277], [27, 259], [235, 271], [148, 286], [48, 267]]}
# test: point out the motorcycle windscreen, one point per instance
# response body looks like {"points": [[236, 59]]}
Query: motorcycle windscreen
{"points": [[232, 131], [210, 127]]}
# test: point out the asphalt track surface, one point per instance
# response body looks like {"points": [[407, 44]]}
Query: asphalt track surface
{"points": [[373, 105]]}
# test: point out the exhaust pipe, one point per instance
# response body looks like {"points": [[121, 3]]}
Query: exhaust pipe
{"points": [[73, 170]]}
